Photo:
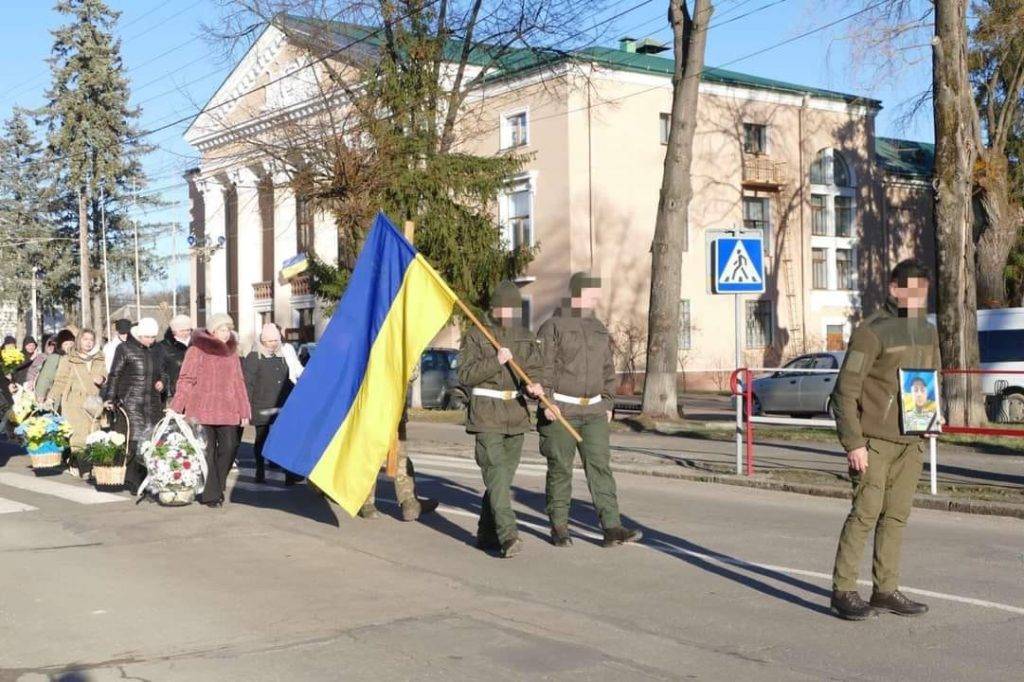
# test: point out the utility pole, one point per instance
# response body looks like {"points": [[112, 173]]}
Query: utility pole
{"points": [[138, 282], [174, 269], [106, 271], [35, 306]]}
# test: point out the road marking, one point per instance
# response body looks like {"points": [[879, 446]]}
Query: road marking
{"points": [[258, 487], [11, 507], [659, 546], [73, 493]]}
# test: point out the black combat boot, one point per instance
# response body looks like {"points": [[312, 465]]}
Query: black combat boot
{"points": [[898, 603], [415, 508], [619, 535], [560, 536], [488, 542], [511, 547], [849, 606]]}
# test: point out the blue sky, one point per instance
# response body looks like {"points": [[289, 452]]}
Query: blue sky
{"points": [[174, 66]]}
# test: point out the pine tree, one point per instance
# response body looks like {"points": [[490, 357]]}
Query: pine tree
{"points": [[28, 223], [92, 135]]}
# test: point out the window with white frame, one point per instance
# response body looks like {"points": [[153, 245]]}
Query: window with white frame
{"points": [[684, 324], [516, 213], [756, 213], [833, 222], [515, 130], [755, 138], [664, 126], [759, 324]]}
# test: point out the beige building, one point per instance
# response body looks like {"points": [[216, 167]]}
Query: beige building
{"points": [[801, 167]]}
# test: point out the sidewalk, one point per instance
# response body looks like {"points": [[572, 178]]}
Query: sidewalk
{"points": [[969, 481]]}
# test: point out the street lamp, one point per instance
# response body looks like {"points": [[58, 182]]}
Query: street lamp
{"points": [[203, 248]]}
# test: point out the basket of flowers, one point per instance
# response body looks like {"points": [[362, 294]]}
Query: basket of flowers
{"points": [[24, 404], [46, 436], [11, 359], [107, 452], [175, 465]]}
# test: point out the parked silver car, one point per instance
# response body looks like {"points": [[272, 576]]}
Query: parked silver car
{"points": [[799, 393], [439, 379]]}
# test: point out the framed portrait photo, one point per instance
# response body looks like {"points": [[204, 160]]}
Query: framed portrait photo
{"points": [[919, 402]]}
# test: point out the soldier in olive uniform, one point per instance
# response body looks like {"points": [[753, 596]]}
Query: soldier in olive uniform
{"points": [[498, 414], [579, 377], [884, 464]]}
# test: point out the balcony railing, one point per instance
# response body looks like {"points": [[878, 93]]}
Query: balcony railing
{"points": [[300, 286], [263, 291], [762, 171]]}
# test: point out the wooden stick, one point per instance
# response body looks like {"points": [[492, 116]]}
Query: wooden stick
{"points": [[517, 369]]}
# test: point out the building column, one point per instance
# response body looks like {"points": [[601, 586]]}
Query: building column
{"points": [[215, 256], [249, 251], [284, 244]]}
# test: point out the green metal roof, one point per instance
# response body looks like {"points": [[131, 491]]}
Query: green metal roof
{"points": [[514, 62], [905, 157]]}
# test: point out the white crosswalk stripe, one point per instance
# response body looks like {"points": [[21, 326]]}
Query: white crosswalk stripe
{"points": [[79, 494], [10, 506]]}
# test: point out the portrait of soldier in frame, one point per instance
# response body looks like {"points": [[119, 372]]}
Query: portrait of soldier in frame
{"points": [[919, 401]]}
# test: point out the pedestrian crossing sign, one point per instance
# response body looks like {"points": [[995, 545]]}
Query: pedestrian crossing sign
{"points": [[739, 265]]}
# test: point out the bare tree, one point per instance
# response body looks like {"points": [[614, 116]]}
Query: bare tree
{"points": [[671, 227], [628, 340]]}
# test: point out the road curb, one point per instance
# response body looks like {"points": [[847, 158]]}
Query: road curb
{"points": [[941, 503]]}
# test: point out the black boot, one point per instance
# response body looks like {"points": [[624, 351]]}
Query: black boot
{"points": [[488, 542], [619, 535], [898, 603], [511, 547], [560, 536], [849, 606]]}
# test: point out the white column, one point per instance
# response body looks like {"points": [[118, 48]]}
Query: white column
{"points": [[250, 237], [284, 245], [325, 243], [216, 259]]}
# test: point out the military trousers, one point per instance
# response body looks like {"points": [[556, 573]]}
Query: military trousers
{"points": [[405, 480], [883, 496], [498, 456], [559, 448]]}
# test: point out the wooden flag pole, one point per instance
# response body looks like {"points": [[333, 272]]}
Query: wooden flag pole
{"points": [[517, 369], [391, 467]]}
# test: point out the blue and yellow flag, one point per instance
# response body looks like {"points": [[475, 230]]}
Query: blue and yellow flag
{"points": [[338, 423]]}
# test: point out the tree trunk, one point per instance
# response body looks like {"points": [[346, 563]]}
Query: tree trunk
{"points": [[956, 149], [671, 226], [83, 261], [1002, 223]]}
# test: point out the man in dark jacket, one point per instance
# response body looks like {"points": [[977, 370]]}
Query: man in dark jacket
{"points": [[579, 377], [498, 415], [884, 464], [170, 352]]}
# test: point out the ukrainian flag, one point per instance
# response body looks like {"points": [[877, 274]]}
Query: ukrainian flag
{"points": [[337, 424]]}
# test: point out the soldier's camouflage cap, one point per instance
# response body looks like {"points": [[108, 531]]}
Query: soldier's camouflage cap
{"points": [[506, 295], [583, 280]]}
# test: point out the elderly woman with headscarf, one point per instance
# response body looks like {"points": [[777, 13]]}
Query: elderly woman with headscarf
{"points": [[134, 385], [64, 342], [76, 390], [268, 379], [211, 390]]}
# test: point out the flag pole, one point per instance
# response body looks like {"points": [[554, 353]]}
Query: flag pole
{"points": [[516, 369]]}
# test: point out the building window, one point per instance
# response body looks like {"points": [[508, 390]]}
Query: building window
{"points": [[819, 218], [527, 310], [844, 269], [830, 168], [684, 324], [664, 126], [759, 324], [844, 216], [266, 317], [755, 213], [755, 138], [835, 337], [819, 268], [514, 130], [304, 225], [516, 208]]}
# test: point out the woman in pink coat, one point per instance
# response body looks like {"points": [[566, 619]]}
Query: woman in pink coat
{"points": [[211, 391]]}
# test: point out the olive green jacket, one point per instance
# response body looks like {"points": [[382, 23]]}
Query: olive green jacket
{"points": [[578, 362], [866, 396], [479, 368]]}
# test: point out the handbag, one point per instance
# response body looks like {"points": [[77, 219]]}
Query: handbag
{"points": [[93, 404]]}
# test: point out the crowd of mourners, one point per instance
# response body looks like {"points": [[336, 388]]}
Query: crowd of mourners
{"points": [[127, 382]]}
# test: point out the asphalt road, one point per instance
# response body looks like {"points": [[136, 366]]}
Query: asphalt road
{"points": [[730, 583]]}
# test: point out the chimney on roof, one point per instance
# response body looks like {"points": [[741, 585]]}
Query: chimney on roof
{"points": [[627, 44], [650, 46]]}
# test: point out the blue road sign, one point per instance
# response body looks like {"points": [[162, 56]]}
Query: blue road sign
{"points": [[739, 265]]}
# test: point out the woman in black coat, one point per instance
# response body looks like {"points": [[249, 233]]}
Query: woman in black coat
{"points": [[268, 384], [134, 385]]}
